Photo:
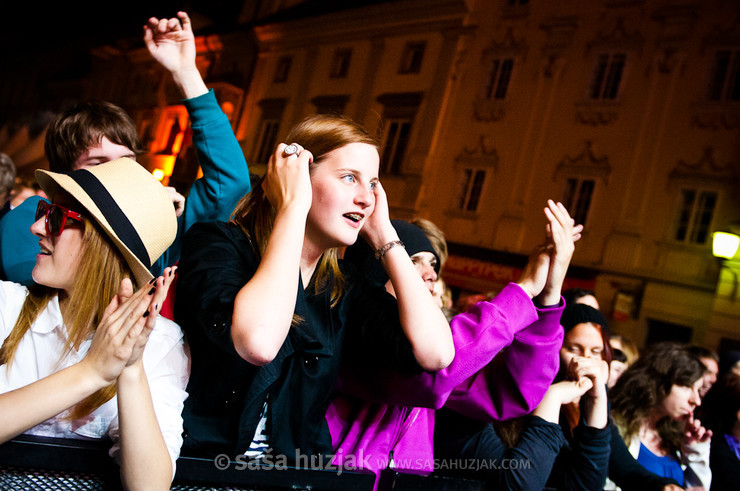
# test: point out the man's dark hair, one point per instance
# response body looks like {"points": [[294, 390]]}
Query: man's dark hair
{"points": [[79, 127]]}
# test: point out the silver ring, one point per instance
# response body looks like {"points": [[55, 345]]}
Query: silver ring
{"points": [[290, 150]]}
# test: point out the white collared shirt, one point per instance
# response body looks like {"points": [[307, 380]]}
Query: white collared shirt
{"points": [[37, 356]]}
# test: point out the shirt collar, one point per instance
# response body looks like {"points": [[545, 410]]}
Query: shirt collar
{"points": [[49, 319]]}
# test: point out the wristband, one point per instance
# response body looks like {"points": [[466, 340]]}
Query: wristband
{"points": [[380, 252]]}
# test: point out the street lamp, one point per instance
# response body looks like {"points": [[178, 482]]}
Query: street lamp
{"points": [[724, 247], [725, 244]]}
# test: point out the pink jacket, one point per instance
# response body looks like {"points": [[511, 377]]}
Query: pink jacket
{"points": [[478, 384]]}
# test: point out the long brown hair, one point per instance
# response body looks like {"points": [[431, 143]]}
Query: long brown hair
{"points": [[646, 383], [97, 280], [320, 134]]}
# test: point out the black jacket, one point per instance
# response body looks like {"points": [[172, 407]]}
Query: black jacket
{"points": [[226, 393]]}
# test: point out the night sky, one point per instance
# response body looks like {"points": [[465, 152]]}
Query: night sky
{"points": [[29, 26]]}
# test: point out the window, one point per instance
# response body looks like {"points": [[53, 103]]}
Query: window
{"points": [[471, 187], [577, 198], [267, 139], [394, 144], [607, 76], [695, 216], [725, 81], [272, 114], [340, 63], [498, 79], [413, 55], [282, 69], [399, 111]]}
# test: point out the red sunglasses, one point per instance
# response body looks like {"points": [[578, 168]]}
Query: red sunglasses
{"points": [[56, 217]]}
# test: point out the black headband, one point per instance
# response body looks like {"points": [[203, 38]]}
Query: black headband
{"points": [[119, 222]]}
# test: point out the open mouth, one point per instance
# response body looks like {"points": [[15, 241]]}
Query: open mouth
{"points": [[355, 217], [44, 251]]}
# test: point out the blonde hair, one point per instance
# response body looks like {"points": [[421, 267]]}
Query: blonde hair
{"points": [[97, 280], [320, 134]]}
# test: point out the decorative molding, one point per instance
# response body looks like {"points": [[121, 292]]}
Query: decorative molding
{"points": [[509, 45], [596, 113], [676, 23], [715, 117], [480, 155], [617, 39], [486, 110], [585, 164], [705, 170]]}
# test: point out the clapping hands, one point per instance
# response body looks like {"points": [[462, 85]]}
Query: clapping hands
{"points": [[122, 334], [545, 272]]}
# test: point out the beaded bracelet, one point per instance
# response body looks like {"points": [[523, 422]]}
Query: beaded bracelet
{"points": [[387, 247]]}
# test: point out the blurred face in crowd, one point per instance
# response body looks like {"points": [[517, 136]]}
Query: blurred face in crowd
{"points": [[583, 340], [102, 152], [682, 400], [710, 376], [425, 263], [616, 369]]}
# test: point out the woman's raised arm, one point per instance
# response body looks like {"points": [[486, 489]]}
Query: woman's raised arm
{"points": [[423, 322], [263, 308]]}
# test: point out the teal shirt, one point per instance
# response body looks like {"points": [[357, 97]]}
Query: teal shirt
{"points": [[212, 197]]}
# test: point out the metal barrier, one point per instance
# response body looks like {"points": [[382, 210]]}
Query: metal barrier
{"points": [[49, 464]]}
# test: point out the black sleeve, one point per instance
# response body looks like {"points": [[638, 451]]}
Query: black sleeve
{"points": [[374, 336], [724, 463], [525, 466], [216, 262], [583, 464], [627, 472]]}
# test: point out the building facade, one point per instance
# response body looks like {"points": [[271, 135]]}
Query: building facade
{"points": [[627, 111]]}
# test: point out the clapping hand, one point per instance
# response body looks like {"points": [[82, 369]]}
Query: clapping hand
{"points": [[121, 336]]}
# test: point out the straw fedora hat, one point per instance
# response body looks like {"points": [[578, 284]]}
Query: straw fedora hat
{"points": [[128, 203]]}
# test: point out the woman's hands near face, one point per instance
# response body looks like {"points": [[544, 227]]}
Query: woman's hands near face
{"points": [[568, 391], [378, 229], [594, 369], [287, 182], [695, 432], [121, 336]]}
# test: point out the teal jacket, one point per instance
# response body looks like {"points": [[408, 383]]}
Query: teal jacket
{"points": [[211, 198]]}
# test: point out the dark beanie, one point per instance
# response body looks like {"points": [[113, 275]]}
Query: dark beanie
{"points": [[578, 313], [363, 256]]}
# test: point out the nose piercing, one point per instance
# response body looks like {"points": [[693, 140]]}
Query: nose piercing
{"points": [[290, 150]]}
